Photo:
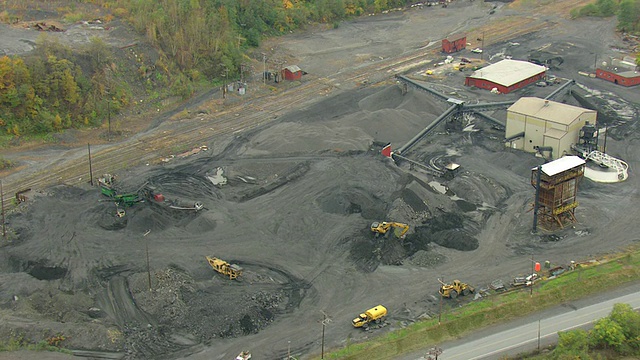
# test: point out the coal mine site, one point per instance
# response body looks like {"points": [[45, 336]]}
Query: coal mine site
{"points": [[291, 203]]}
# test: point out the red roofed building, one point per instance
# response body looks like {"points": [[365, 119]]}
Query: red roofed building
{"points": [[624, 78], [292, 73], [454, 43]]}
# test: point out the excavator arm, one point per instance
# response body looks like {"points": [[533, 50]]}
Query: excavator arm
{"points": [[383, 227]]}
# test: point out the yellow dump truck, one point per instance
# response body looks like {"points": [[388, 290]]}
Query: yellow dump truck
{"points": [[376, 315], [224, 268]]}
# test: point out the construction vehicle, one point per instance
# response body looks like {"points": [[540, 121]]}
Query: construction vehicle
{"points": [[382, 228], [375, 315], [233, 271], [454, 289]]}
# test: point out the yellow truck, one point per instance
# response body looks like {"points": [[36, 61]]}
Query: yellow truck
{"points": [[373, 315]]}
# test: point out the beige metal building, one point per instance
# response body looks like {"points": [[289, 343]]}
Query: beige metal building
{"points": [[544, 126]]}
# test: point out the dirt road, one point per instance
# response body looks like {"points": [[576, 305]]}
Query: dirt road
{"points": [[304, 181]]}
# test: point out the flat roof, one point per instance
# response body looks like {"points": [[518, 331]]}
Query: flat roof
{"points": [[293, 68], [508, 72], [563, 164], [629, 74], [555, 133], [548, 110], [455, 37]]}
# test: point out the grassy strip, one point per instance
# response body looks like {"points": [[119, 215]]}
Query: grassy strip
{"points": [[14, 344], [573, 285]]}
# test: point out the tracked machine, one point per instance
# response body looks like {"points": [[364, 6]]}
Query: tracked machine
{"points": [[382, 228], [233, 271]]}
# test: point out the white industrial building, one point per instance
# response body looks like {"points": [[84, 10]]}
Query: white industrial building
{"points": [[506, 75], [547, 127]]}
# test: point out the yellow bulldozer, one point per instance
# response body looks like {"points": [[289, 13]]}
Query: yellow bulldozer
{"points": [[454, 289], [382, 228], [233, 271]]}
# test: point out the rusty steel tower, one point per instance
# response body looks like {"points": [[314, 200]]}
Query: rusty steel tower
{"points": [[556, 185]]}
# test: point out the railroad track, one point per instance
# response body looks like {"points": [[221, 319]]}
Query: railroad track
{"points": [[150, 147]]}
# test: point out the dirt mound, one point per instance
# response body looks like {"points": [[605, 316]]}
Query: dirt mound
{"points": [[342, 200]]}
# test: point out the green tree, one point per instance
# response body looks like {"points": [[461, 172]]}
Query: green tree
{"points": [[572, 345], [607, 333], [606, 7], [629, 16], [629, 321]]}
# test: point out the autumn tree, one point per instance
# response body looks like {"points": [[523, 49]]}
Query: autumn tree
{"points": [[572, 345]]}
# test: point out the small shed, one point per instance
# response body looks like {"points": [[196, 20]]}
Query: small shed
{"points": [[454, 43], [292, 73]]}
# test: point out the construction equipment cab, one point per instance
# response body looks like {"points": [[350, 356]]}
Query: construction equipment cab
{"points": [[224, 268], [456, 288], [381, 228], [376, 314]]}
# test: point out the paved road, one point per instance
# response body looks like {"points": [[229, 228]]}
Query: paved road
{"points": [[517, 337]]}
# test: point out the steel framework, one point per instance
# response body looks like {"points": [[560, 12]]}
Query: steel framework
{"points": [[557, 196]]}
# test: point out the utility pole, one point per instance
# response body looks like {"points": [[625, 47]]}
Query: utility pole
{"points": [[532, 271], [595, 63], [538, 336], [289, 350], [4, 226], [146, 246], [325, 321], [264, 68], [109, 112], [482, 47], [433, 353], [90, 170], [224, 82], [440, 312]]}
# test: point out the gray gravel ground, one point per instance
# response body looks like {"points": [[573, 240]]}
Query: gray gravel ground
{"points": [[296, 209]]}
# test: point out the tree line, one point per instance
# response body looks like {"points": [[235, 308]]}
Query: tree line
{"points": [[618, 333], [209, 37], [627, 11], [57, 88], [48, 91]]}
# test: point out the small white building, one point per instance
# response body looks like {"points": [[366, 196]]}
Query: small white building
{"points": [[548, 127]]}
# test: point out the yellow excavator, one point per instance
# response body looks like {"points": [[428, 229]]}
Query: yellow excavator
{"points": [[381, 228]]}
